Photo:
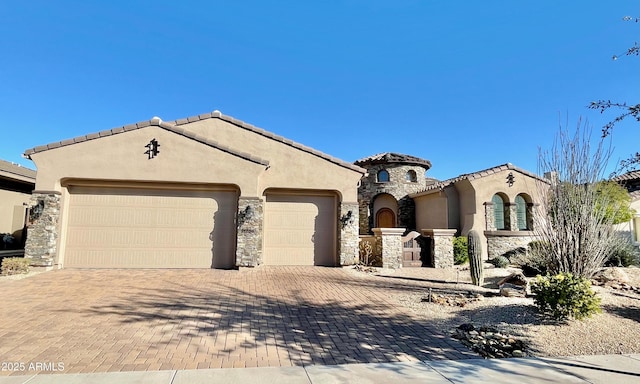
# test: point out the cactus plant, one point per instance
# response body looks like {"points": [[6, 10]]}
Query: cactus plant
{"points": [[475, 258]]}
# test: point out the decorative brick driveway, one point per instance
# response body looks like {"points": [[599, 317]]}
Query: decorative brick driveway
{"points": [[124, 320]]}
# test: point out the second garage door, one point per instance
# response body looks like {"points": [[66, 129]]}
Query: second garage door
{"points": [[300, 229], [149, 228]]}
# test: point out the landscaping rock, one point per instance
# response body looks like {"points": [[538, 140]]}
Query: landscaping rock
{"points": [[489, 342], [611, 276], [514, 285]]}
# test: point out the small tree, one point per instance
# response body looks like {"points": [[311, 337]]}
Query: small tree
{"points": [[577, 232]]}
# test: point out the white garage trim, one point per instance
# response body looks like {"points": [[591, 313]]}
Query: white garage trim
{"points": [[300, 228], [158, 226]]}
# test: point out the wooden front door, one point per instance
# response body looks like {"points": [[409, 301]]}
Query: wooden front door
{"points": [[385, 218]]}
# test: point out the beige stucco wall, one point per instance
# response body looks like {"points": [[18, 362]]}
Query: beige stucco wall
{"points": [[632, 227], [486, 187], [289, 167], [431, 211], [121, 157], [12, 212]]}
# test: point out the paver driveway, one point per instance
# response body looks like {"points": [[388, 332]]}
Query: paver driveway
{"points": [[123, 320]]}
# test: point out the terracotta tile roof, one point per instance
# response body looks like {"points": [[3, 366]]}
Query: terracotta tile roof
{"points": [[391, 158], [631, 175], [16, 171], [153, 122], [272, 136], [476, 175], [175, 126]]}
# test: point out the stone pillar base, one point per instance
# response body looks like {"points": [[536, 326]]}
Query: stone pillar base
{"points": [[390, 242]]}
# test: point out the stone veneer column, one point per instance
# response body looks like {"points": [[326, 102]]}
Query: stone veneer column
{"points": [[442, 246], [43, 229], [390, 242], [363, 217], [348, 233], [249, 227], [489, 216], [511, 209]]}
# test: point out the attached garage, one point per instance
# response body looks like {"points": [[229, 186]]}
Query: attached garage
{"points": [[123, 227], [300, 229], [207, 191]]}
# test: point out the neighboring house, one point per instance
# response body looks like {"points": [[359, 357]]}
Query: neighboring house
{"points": [[16, 184], [631, 182], [201, 192], [497, 202]]}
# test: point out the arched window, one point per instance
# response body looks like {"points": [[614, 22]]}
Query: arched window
{"points": [[521, 212], [411, 176], [383, 176], [498, 211]]}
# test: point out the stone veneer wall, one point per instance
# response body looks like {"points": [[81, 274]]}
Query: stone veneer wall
{"points": [[389, 240], [348, 233], [501, 242], [249, 224], [42, 232], [397, 186]]}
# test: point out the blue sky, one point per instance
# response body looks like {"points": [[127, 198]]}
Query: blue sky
{"points": [[465, 84]]}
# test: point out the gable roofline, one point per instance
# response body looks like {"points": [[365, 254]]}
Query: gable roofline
{"points": [[154, 122], [17, 172], [251, 128], [475, 175]]}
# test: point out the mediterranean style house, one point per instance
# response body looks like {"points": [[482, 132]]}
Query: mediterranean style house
{"points": [[208, 191], [498, 202], [16, 184], [211, 191]]}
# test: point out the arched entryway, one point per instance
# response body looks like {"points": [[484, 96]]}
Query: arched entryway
{"points": [[384, 211], [385, 218]]}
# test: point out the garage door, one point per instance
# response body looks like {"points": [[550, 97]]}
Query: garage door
{"points": [[149, 228], [300, 230]]}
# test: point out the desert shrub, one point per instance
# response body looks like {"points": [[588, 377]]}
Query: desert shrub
{"points": [[7, 241], [500, 262], [565, 296], [515, 252], [624, 255], [536, 261], [460, 252], [370, 254], [14, 266]]}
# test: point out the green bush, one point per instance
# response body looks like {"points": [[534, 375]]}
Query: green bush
{"points": [[535, 261], [500, 262], [460, 252], [14, 266], [623, 256], [565, 296]]}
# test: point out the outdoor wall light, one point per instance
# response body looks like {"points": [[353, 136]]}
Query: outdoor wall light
{"points": [[347, 218], [36, 211], [245, 214]]}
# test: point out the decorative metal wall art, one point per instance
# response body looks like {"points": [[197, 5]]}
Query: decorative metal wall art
{"points": [[152, 149]]}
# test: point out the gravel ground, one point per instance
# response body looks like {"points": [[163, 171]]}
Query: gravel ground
{"points": [[614, 331]]}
